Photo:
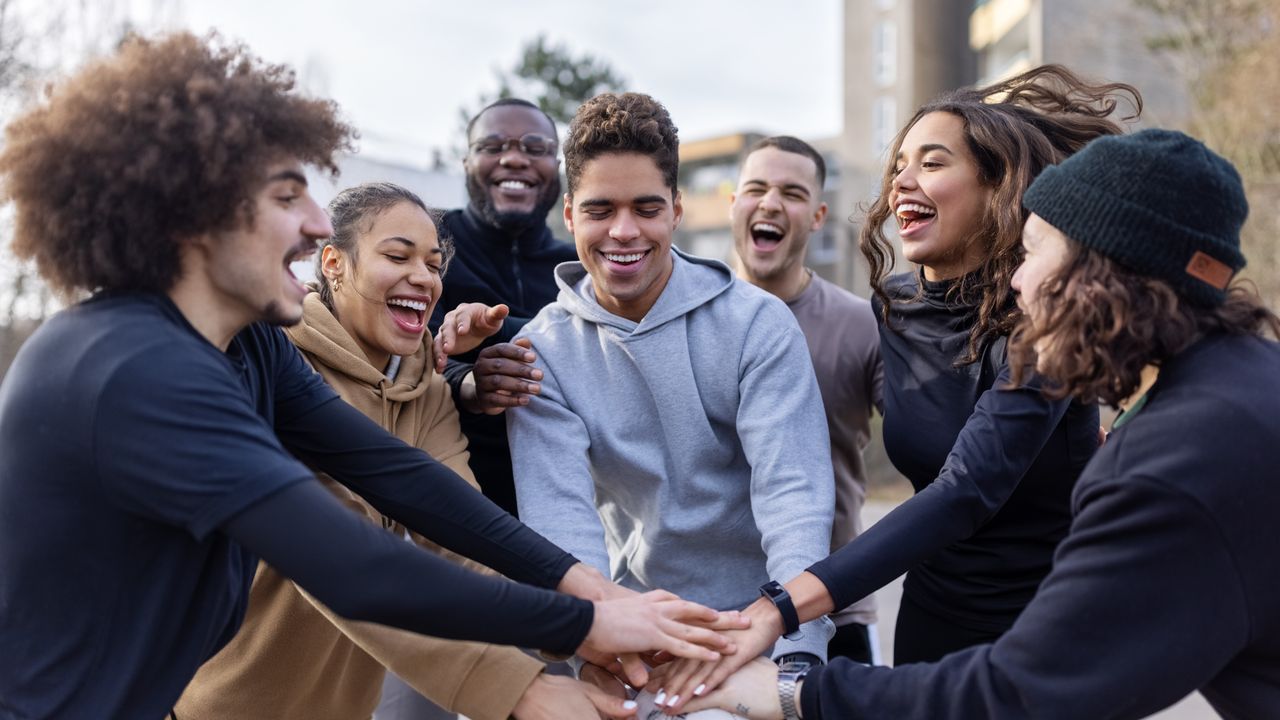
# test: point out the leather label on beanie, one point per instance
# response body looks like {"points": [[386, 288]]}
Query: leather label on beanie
{"points": [[1209, 269]]}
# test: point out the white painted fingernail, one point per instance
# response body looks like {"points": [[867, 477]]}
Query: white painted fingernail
{"points": [[700, 689], [672, 702], [662, 695], [629, 705]]}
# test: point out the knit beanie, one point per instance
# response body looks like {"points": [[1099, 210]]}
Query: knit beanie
{"points": [[1157, 202]]}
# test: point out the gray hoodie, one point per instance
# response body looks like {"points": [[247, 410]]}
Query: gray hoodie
{"points": [[687, 452]]}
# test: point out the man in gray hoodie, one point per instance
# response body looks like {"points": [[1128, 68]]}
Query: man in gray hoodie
{"points": [[679, 440]]}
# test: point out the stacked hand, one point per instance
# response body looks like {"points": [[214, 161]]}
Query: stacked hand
{"points": [[558, 698], [628, 623], [679, 682], [751, 692]]}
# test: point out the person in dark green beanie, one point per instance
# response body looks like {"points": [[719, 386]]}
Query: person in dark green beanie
{"points": [[1166, 583]]}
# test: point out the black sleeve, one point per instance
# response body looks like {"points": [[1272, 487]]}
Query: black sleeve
{"points": [[404, 483], [1117, 630], [365, 573], [1001, 439], [455, 371]]}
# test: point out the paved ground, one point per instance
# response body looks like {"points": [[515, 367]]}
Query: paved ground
{"points": [[1193, 707]]}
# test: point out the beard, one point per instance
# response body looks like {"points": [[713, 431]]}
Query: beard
{"points": [[482, 200]]}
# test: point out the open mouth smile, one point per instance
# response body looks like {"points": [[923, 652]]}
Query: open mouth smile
{"points": [[409, 314], [766, 235], [913, 215]]}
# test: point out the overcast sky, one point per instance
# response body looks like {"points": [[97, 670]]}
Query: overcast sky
{"points": [[401, 69]]}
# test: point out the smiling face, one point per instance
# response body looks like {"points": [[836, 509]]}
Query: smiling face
{"points": [[247, 270], [386, 293], [622, 216], [777, 205], [1047, 252], [938, 198], [509, 188]]}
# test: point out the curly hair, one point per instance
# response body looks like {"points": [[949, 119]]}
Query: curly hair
{"points": [[1100, 324], [1014, 128], [353, 212], [622, 123], [164, 141]]}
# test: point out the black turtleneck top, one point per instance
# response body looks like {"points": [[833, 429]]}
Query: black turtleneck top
{"points": [[492, 265], [993, 469]]}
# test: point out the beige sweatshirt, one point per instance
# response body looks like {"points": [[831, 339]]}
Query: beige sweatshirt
{"points": [[293, 658]]}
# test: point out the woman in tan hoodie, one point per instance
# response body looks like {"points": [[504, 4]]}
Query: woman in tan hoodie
{"points": [[364, 331]]}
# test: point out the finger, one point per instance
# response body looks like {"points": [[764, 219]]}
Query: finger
{"points": [[686, 649], [677, 683], [441, 357], [634, 670], [710, 700], [494, 316], [695, 684], [464, 325], [727, 620], [608, 705], [510, 351], [446, 336], [684, 611]]}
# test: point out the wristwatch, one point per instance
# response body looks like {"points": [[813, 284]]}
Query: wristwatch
{"points": [[789, 677], [781, 599]]}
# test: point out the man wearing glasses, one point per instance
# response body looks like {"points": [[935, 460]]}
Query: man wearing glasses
{"points": [[505, 255]]}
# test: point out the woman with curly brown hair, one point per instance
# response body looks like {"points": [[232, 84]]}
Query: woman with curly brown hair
{"points": [[1167, 581], [160, 436], [993, 466]]}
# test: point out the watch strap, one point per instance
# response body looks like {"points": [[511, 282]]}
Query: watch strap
{"points": [[788, 682], [781, 599]]}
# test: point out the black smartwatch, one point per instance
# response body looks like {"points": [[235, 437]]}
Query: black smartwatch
{"points": [[781, 599]]}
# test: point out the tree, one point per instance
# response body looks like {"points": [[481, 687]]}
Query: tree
{"points": [[37, 40], [552, 77], [1228, 53]]}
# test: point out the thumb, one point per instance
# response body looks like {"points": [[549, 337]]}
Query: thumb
{"points": [[633, 667], [496, 314], [608, 705]]}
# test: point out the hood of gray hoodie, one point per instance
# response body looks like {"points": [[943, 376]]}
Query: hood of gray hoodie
{"points": [[694, 282]]}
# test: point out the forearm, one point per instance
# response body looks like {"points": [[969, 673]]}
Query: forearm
{"points": [[345, 562], [428, 498], [481, 681]]}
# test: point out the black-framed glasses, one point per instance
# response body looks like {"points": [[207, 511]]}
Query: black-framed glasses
{"points": [[532, 145]]}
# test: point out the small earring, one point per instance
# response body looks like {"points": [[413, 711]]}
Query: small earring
{"points": [[336, 283]]}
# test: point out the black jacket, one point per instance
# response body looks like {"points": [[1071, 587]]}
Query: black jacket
{"points": [[1166, 583], [493, 266]]}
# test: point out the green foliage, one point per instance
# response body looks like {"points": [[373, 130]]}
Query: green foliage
{"points": [[554, 78]]}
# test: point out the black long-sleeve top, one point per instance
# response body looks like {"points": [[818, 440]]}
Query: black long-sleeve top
{"points": [[993, 469], [143, 471], [492, 266], [1166, 583]]}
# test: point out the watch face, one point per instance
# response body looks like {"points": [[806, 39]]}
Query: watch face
{"points": [[794, 667]]}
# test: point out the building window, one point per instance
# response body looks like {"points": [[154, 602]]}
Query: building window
{"points": [[885, 48], [884, 124]]}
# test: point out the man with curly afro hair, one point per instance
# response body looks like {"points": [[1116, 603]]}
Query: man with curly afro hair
{"points": [[679, 426], [160, 435]]}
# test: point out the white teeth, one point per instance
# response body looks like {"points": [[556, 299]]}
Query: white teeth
{"points": [[514, 185], [915, 208], [767, 227], [614, 257], [411, 304]]}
